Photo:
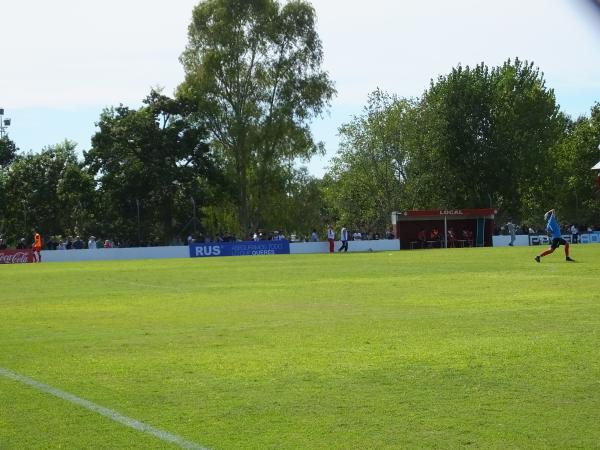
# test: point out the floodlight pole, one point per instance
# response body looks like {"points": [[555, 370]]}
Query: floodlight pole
{"points": [[4, 124]]}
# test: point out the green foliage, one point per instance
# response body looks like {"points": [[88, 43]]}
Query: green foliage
{"points": [[478, 137], [253, 72], [149, 163], [577, 152], [47, 191], [367, 179], [8, 152], [486, 138]]}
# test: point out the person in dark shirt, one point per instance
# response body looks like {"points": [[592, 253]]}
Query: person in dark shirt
{"points": [[77, 243], [21, 245]]}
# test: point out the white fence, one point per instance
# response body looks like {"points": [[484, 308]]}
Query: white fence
{"points": [[182, 251], [542, 239]]}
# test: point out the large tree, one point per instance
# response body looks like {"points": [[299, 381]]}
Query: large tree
{"points": [[576, 192], [367, 178], [48, 191], [253, 69], [484, 138], [150, 164]]}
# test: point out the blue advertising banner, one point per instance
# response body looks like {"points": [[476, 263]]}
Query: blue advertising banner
{"points": [[243, 248]]}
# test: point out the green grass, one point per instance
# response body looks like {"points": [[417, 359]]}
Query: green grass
{"points": [[480, 348]]}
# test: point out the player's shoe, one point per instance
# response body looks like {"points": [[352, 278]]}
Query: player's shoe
{"points": [[568, 258], [537, 258]]}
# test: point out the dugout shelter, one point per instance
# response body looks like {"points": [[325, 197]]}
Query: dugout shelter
{"points": [[477, 223]]}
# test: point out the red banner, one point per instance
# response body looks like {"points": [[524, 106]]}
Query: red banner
{"points": [[450, 213], [16, 256]]}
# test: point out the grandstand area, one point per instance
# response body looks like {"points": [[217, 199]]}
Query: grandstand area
{"points": [[453, 348]]}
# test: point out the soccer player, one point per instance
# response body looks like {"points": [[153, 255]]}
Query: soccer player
{"points": [[554, 229], [37, 246]]}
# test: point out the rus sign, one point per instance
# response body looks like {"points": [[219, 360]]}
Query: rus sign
{"points": [[245, 248], [16, 256]]}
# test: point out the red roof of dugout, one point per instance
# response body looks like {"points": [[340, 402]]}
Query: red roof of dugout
{"points": [[487, 213]]}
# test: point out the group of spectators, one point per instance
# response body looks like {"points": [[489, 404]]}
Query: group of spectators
{"points": [[567, 229], [58, 243], [77, 243], [433, 237], [70, 243], [262, 235]]}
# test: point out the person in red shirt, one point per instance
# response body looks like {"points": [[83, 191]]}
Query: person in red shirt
{"points": [[37, 246]]}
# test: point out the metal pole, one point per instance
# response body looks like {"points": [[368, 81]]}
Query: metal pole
{"points": [[445, 231], [137, 202], [194, 216]]}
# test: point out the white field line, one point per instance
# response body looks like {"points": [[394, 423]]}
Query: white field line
{"points": [[106, 412]]}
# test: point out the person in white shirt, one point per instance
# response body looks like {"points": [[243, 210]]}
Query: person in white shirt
{"points": [[344, 239], [574, 234], [92, 243], [330, 237]]}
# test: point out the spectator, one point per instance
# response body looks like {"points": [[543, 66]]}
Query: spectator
{"points": [[52, 243], [330, 238], [574, 234], [512, 229], [357, 236], [313, 236], [108, 244], [344, 239], [77, 243], [22, 244], [422, 238], [434, 235], [3, 245], [468, 237], [92, 243], [61, 245], [451, 238], [37, 246]]}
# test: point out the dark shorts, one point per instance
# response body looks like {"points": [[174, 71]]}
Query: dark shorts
{"points": [[557, 242]]}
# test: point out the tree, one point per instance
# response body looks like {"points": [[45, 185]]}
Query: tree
{"points": [[367, 178], [8, 151], [484, 137], [40, 192], [576, 192], [253, 71], [149, 164]]}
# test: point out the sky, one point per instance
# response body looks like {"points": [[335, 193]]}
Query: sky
{"points": [[62, 62]]}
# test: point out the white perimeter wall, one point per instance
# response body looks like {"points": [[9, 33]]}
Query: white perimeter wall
{"points": [[109, 254], [503, 241], [353, 246]]}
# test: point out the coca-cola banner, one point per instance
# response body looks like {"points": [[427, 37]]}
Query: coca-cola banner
{"points": [[16, 256]]}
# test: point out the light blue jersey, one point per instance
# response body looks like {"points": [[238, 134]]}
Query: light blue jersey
{"points": [[553, 227]]}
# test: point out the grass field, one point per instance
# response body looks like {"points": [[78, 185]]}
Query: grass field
{"points": [[480, 348]]}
